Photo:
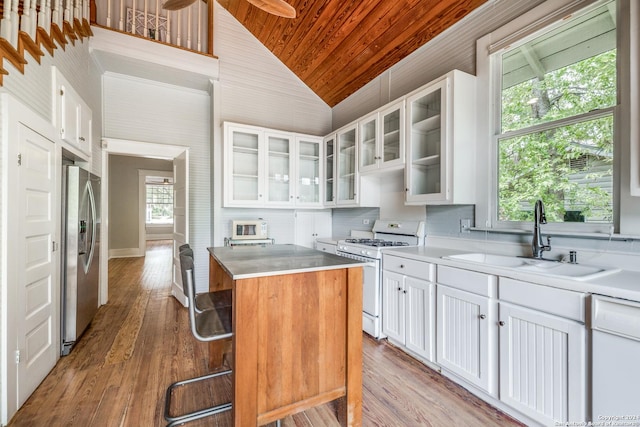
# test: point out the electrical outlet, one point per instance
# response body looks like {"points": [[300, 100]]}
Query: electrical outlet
{"points": [[465, 225], [365, 221]]}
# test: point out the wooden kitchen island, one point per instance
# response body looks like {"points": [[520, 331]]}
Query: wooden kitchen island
{"points": [[297, 331]]}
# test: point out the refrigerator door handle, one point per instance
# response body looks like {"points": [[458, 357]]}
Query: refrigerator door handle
{"points": [[92, 219]]}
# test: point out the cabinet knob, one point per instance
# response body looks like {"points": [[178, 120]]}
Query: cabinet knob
{"points": [[483, 316], [404, 292], [401, 265], [81, 138], [399, 288], [501, 323]]}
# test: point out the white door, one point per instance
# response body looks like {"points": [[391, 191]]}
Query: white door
{"points": [[180, 218], [462, 335], [542, 365], [420, 317], [37, 262], [393, 296]]}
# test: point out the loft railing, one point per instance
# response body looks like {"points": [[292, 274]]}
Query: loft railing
{"points": [[189, 28], [30, 25]]}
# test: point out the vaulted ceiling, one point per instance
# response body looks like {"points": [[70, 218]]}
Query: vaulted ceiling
{"points": [[338, 46]]}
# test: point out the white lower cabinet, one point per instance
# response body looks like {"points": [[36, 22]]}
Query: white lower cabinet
{"points": [[542, 355], [408, 309], [464, 327]]}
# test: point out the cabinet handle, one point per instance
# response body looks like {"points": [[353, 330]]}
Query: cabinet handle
{"points": [[483, 316], [81, 138], [501, 323]]}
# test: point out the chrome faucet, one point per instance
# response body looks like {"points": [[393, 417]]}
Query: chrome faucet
{"points": [[537, 246]]}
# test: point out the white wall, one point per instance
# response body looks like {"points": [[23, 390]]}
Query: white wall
{"points": [[256, 88]]}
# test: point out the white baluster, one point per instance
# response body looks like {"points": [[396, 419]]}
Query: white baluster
{"points": [[199, 26], [67, 11], [179, 36], [121, 26], [25, 19], [133, 17], [15, 23], [157, 19], [108, 13], [189, 13], [145, 31], [55, 14], [168, 38], [42, 14], [5, 25], [76, 10]]}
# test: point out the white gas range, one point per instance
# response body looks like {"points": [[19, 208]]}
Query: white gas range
{"points": [[387, 234]]}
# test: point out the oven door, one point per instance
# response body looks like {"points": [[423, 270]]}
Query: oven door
{"points": [[371, 294]]}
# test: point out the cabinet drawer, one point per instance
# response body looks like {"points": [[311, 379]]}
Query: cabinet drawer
{"points": [[563, 303], [410, 267], [470, 281], [326, 247]]}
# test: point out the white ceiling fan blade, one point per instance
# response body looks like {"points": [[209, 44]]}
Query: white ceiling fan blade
{"points": [[275, 7]]}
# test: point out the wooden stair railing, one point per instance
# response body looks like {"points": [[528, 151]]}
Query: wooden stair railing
{"points": [[30, 25]]}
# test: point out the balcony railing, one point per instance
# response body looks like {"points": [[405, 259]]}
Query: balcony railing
{"points": [[189, 28]]}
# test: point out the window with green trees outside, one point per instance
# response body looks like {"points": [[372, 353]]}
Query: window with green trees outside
{"points": [[555, 143]]}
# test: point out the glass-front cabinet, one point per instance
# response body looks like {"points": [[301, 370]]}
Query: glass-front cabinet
{"points": [[381, 139], [440, 142], [279, 169], [309, 171], [347, 185], [329, 170], [269, 168], [243, 166]]}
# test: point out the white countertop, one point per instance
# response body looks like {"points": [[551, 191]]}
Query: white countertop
{"points": [[623, 284], [244, 262]]}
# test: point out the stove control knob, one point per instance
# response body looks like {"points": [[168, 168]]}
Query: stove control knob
{"points": [[363, 252]]}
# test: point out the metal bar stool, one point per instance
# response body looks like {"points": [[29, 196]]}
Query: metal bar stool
{"points": [[206, 325], [209, 300]]}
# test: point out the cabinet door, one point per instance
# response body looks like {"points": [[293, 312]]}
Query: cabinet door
{"points": [[69, 125], [346, 167], [391, 144], [309, 176], [420, 317], [244, 167], [368, 143], [542, 365], [329, 171], [279, 170], [426, 145], [85, 119], [462, 335], [393, 296]]}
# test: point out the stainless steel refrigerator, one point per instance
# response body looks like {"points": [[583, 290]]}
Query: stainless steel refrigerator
{"points": [[81, 228]]}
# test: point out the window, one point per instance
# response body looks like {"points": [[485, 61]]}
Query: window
{"points": [[160, 203], [555, 136]]}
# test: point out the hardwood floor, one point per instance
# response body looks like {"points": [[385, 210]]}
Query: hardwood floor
{"points": [[140, 342]]}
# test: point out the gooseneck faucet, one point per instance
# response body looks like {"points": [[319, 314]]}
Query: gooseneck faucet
{"points": [[537, 246]]}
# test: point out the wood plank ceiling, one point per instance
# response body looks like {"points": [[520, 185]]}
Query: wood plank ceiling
{"points": [[338, 46]]}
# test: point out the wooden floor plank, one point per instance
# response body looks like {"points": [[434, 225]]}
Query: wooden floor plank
{"points": [[140, 342]]}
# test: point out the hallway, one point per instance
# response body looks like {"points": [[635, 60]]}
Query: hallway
{"points": [[140, 342]]}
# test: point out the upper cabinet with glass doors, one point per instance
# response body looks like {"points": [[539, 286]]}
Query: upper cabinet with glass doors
{"points": [[329, 170], [381, 139], [267, 168], [308, 171], [440, 150], [347, 184]]}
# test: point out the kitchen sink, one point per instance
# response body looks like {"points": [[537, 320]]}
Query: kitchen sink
{"points": [[538, 266]]}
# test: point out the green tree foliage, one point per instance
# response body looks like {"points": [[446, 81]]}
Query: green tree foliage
{"points": [[568, 166]]}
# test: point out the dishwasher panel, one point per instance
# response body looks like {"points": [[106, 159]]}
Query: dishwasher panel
{"points": [[615, 360]]}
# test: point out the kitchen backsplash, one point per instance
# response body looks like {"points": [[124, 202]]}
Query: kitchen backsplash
{"points": [[347, 219]]}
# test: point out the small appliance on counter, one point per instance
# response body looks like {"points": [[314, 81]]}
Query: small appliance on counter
{"points": [[249, 232]]}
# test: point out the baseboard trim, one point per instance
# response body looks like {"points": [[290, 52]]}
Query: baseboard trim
{"points": [[125, 253]]}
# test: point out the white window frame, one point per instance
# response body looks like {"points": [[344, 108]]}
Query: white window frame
{"points": [[488, 66]]}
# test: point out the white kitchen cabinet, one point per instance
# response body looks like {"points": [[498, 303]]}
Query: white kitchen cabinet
{"points": [[73, 117], [381, 139], [330, 171], [347, 174], [309, 225], [408, 305], [265, 168], [308, 171], [466, 326], [440, 144], [542, 352]]}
